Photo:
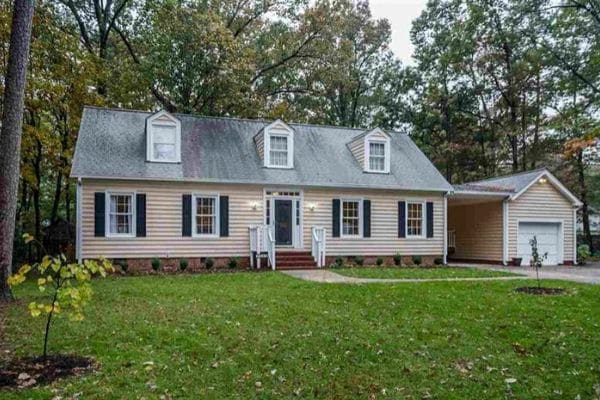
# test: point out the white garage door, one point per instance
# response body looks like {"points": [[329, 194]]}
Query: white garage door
{"points": [[547, 237]]}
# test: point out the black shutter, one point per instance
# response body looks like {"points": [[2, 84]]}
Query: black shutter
{"points": [[224, 215], [99, 213], [140, 215], [429, 219], [401, 219], [366, 218], [186, 215], [335, 221]]}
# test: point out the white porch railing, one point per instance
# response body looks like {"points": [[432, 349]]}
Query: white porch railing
{"points": [[319, 245], [262, 242], [452, 238]]}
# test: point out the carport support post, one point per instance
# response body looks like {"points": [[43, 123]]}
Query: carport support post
{"points": [[445, 228], [574, 235], [78, 218], [505, 231]]}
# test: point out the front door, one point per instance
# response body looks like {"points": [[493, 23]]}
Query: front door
{"points": [[283, 222]]}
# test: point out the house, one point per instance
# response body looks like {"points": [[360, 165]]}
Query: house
{"points": [[172, 186]]}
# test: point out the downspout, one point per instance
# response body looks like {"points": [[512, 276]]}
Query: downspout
{"points": [[574, 235], [78, 221], [446, 227], [505, 211]]}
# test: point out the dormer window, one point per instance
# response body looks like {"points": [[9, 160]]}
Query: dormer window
{"points": [[377, 156], [279, 145], [377, 152], [163, 138]]}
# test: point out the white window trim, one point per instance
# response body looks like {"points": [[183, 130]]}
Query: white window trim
{"points": [[150, 122], [360, 217], [367, 141], [195, 233], [289, 134], [107, 195], [423, 234]]}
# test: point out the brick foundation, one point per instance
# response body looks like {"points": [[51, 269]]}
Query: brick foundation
{"points": [[171, 265]]}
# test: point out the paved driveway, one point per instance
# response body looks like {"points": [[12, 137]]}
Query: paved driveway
{"points": [[327, 276], [584, 274]]}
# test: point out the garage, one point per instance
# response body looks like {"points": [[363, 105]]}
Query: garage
{"points": [[548, 237]]}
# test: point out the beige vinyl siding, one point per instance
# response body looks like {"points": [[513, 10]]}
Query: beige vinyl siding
{"points": [[384, 223], [163, 222], [542, 201], [260, 145], [478, 230], [357, 148]]}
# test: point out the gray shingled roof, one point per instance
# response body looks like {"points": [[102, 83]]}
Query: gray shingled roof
{"points": [[509, 183], [111, 144]]}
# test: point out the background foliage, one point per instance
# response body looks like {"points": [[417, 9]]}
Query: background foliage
{"points": [[497, 86]]}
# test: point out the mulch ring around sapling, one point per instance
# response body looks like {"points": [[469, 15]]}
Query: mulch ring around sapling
{"points": [[540, 290], [30, 371]]}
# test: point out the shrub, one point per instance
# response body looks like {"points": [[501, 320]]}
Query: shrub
{"points": [[183, 264], [359, 260], [155, 263], [417, 260], [438, 261], [209, 263], [398, 259], [583, 253], [63, 287], [121, 263], [339, 262], [232, 263], [379, 261]]}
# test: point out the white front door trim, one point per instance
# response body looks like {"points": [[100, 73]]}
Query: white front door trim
{"points": [[297, 210]]}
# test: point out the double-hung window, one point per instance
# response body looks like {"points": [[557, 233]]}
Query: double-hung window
{"points": [[414, 220], [278, 151], [377, 156], [351, 217], [120, 214], [164, 143], [206, 215]]}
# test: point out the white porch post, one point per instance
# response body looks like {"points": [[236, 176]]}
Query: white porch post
{"points": [[78, 220]]}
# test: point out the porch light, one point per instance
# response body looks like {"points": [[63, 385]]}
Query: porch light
{"points": [[254, 205], [312, 206], [543, 180]]}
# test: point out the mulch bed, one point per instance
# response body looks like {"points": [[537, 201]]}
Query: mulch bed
{"points": [[540, 290], [30, 371]]}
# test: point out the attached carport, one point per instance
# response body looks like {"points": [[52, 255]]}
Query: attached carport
{"points": [[493, 221]]}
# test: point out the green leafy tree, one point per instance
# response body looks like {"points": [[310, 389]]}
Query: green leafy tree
{"points": [[537, 259], [65, 287]]}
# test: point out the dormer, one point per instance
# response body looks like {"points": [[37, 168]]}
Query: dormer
{"points": [[372, 151], [275, 145], [163, 138]]}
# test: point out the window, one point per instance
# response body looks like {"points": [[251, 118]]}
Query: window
{"points": [[205, 215], [163, 143], [278, 153], [376, 146], [163, 137], [414, 219], [377, 156], [351, 216], [120, 214], [278, 149]]}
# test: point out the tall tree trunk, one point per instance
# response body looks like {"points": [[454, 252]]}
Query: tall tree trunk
{"points": [[68, 201], [37, 169], [585, 212], [56, 201], [10, 135]]}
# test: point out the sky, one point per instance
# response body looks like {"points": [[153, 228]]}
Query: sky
{"points": [[400, 13]]}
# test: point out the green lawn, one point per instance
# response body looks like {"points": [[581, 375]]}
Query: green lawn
{"points": [[215, 336], [419, 273]]}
